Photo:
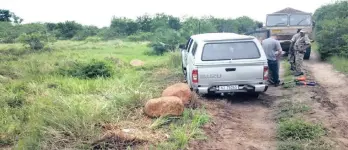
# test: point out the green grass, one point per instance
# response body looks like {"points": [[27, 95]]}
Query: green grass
{"points": [[288, 77], [314, 46], [43, 109], [297, 134], [293, 132], [182, 130], [288, 109], [340, 63], [297, 129]]}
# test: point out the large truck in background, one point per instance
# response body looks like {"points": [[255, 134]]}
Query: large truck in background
{"points": [[285, 24]]}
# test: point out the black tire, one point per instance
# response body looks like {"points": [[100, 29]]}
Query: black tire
{"points": [[307, 54]]}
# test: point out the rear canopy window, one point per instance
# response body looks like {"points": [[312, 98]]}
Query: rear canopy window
{"points": [[230, 50]]}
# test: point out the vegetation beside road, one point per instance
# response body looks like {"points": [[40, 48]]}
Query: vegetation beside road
{"points": [[59, 98], [61, 82], [331, 34]]}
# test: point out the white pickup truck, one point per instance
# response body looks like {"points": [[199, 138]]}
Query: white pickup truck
{"points": [[215, 63]]}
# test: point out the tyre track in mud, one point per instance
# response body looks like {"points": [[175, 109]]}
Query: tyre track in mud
{"points": [[332, 94], [240, 122]]}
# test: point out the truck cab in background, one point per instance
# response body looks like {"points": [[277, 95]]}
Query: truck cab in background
{"points": [[285, 24]]}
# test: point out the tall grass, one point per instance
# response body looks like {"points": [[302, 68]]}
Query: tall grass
{"points": [[340, 63], [43, 109]]}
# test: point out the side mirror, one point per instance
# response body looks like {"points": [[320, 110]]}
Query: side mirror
{"points": [[182, 46]]}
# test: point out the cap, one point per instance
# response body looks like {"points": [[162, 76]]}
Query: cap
{"points": [[303, 31]]}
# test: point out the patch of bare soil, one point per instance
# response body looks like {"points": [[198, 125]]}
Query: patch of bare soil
{"points": [[238, 125], [332, 96], [240, 122]]}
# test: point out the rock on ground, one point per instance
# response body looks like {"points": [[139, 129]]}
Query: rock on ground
{"points": [[136, 63], [163, 106], [180, 90]]}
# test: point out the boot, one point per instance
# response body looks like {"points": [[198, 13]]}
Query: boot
{"points": [[298, 74]]}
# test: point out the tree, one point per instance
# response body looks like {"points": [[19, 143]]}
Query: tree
{"points": [[246, 24], [144, 22], [174, 23], [16, 19], [5, 15], [124, 26], [68, 29]]}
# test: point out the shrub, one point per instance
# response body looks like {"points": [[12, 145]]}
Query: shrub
{"points": [[165, 40], [36, 40], [332, 38], [331, 29], [93, 69], [169, 37], [159, 48]]}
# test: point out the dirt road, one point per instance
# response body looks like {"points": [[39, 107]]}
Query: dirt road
{"points": [[333, 97], [244, 123], [240, 122]]}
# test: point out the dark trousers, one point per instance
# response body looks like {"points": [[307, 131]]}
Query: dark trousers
{"points": [[273, 66]]}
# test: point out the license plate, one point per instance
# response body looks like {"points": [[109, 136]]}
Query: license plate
{"points": [[276, 31], [228, 88]]}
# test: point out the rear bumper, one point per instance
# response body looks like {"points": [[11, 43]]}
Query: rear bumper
{"points": [[244, 88]]}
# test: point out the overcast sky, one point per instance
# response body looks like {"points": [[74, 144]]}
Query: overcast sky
{"points": [[100, 12]]}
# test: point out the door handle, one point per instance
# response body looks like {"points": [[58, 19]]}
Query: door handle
{"points": [[230, 69]]}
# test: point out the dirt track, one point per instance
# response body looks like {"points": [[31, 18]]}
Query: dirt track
{"points": [[333, 97], [244, 123], [241, 122]]}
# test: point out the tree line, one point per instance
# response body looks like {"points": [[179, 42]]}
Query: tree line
{"points": [[164, 31]]}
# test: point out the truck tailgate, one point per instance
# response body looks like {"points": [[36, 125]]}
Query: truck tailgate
{"points": [[224, 74]]}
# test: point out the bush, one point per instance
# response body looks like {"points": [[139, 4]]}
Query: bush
{"points": [[165, 40], [332, 38], [93, 69], [159, 48], [331, 29], [35, 41]]}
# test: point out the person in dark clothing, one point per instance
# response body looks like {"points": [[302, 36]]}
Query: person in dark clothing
{"points": [[273, 51]]}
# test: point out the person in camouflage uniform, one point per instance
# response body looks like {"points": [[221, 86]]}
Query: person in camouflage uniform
{"points": [[301, 44], [291, 50]]}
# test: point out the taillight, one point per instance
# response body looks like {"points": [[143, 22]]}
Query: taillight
{"points": [[265, 73], [195, 76]]}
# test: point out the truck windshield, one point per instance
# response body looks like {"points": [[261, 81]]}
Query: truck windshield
{"points": [[300, 20], [230, 50], [277, 20]]}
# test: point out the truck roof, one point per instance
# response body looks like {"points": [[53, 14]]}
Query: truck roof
{"points": [[289, 10], [219, 36]]}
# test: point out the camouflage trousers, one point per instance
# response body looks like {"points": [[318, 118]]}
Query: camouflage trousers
{"points": [[299, 61], [292, 59]]}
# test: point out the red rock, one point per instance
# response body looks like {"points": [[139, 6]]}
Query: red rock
{"points": [[163, 106], [180, 90]]}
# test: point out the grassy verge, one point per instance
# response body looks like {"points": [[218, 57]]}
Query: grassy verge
{"points": [[288, 77], [340, 63], [293, 131], [60, 98]]}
